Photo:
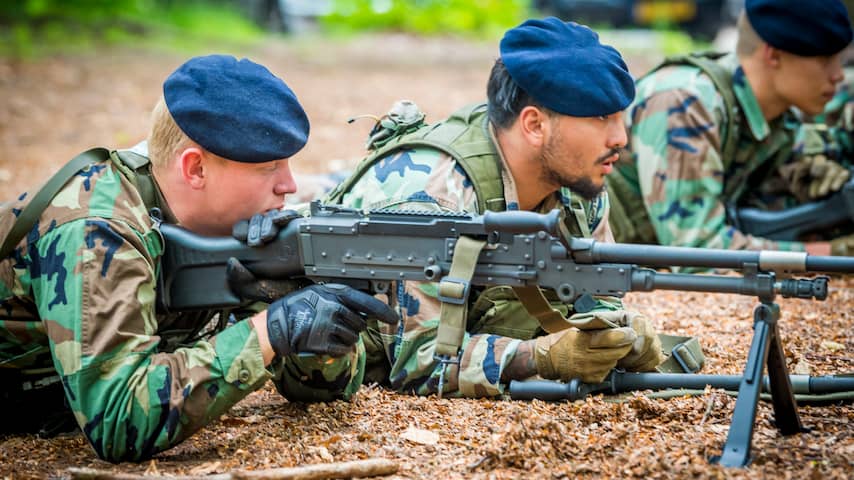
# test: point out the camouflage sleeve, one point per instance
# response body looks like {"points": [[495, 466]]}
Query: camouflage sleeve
{"points": [[412, 344], [94, 285], [675, 139]]}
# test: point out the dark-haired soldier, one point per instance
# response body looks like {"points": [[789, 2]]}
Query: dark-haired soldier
{"points": [[546, 138]]}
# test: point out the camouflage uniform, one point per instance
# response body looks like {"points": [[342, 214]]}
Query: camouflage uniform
{"points": [[77, 300], [401, 356], [675, 170]]}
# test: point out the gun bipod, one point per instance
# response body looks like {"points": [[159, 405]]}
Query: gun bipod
{"points": [[765, 350]]}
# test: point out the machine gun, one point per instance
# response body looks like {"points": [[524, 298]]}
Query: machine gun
{"points": [[835, 212], [522, 249]]}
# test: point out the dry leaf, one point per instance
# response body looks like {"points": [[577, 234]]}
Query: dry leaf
{"points": [[831, 345], [151, 470], [420, 436], [206, 468], [802, 367], [323, 453]]}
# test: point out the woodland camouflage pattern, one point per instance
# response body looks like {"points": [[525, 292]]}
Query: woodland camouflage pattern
{"points": [[401, 356], [78, 296], [674, 170]]}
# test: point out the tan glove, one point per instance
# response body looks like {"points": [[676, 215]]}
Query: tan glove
{"points": [[814, 177], [646, 351], [585, 354], [842, 246]]}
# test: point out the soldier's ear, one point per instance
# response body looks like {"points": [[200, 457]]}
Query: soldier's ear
{"points": [[193, 167], [534, 125], [771, 55]]}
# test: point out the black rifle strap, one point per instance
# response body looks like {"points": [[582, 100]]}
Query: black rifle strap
{"points": [[31, 213]]}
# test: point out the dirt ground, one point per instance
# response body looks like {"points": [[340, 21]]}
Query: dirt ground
{"points": [[56, 107]]}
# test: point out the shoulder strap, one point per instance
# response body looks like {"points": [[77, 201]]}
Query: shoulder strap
{"points": [[31, 213], [138, 169]]}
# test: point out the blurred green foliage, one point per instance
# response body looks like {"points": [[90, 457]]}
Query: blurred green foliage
{"points": [[478, 18], [31, 28]]}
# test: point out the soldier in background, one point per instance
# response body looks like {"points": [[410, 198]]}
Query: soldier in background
{"points": [[708, 134]]}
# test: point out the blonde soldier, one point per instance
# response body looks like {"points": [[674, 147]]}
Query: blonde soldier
{"points": [[708, 134], [78, 328]]}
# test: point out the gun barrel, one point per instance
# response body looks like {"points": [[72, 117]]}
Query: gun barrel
{"points": [[591, 251], [830, 264], [660, 256]]}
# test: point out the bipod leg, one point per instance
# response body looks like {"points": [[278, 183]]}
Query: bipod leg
{"points": [[782, 395], [765, 349]]}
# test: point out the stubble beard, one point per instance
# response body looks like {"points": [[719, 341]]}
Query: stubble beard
{"points": [[583, 186]]}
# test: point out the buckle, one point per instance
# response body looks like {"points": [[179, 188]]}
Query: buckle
{"points": [[685, 358], [454, 290], [444, 360]]}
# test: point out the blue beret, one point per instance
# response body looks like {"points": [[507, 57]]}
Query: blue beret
{"points": [[804, 27], [236, 109], [564, 68]]}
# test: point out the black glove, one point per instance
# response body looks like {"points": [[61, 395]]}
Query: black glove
{"points": [[322, 319], [262, 227]]}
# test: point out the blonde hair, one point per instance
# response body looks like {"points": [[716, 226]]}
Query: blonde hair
{"points": [[748, 39], [165, 138]]}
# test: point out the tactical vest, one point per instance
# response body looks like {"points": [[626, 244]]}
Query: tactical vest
{"points": [[629, 219]]}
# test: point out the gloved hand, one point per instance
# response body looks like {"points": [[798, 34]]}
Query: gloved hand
{"points": [[646, 353], [322, 319], [262, 227], [842, 246], [588, 354], [814, 177]]}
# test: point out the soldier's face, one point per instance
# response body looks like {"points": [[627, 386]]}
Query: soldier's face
{"points": [[580, 151], [808, 82], [236, 191]]}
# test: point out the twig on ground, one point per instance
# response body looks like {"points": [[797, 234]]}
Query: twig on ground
{"points": [[358, 468], [709, 406]]}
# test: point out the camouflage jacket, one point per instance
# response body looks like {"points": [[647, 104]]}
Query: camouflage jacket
{"points": [[77, 300], [401, 356], [674, 169]]}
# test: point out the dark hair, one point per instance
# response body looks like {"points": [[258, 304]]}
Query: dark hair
{"points": [[505, 98]]}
